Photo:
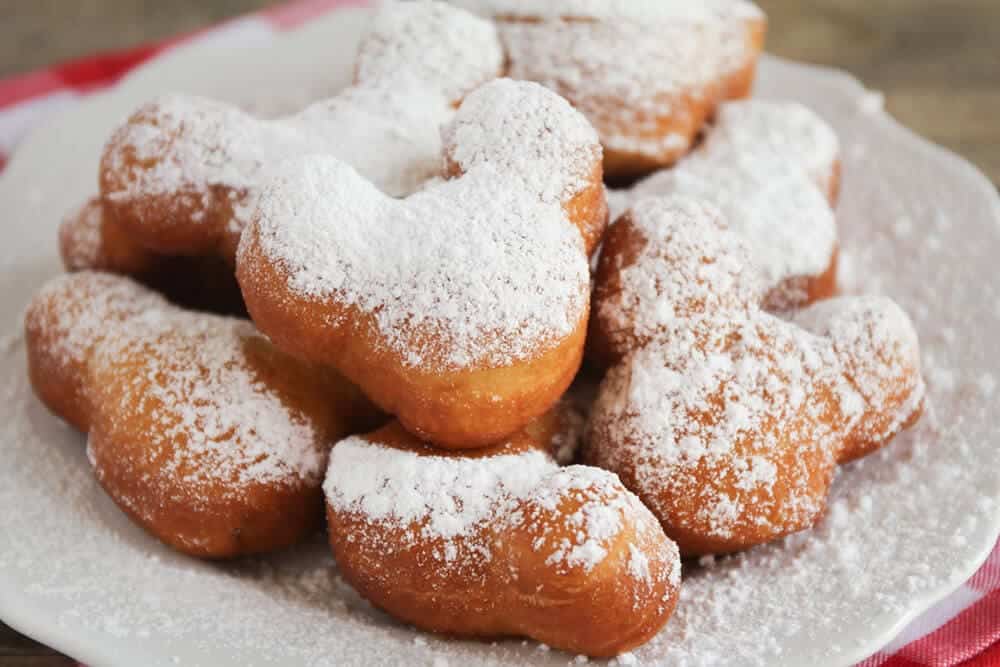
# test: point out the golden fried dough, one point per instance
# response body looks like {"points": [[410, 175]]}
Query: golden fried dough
{"points": [[727, 421], [499, 542], [182, 175], [648, 75], [200, 430], [461, 309]]}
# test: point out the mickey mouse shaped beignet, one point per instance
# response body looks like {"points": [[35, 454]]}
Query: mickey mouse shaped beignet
{"points": [[182, 174], [499, 542], [461, 309], [198, 428], [646, 73], [773, 169], [728, 422]]}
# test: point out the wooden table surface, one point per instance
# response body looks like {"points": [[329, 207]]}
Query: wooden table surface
{"points": [[938, 62]]}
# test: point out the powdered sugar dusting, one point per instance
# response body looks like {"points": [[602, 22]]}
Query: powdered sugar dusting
{"points": [[416, 63], [486, 267], [83, 309], [663, 292], [80, 235], [638, 564], [430, 45], [876, 340], [719, 591], [198, 387], [656, 403], [721, 386], [212, 416], [464, 502], [761, 165], [526, 135], [623, 64], [455, 495], [786, 131], [788, 222]]}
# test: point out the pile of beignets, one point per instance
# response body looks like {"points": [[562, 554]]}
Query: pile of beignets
{"points": [[426, 262]]}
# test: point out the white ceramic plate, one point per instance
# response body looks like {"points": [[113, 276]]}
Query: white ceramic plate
{"points": [[905, 527]]}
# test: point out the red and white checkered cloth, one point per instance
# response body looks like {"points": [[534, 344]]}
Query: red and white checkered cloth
{"points": [[963, 629]]}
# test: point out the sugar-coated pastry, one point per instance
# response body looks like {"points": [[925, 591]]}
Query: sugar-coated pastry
{"points": [[727, 421], [499, 542], [773, 169], [780, 130], [64, 322], [647, 73], [461, 309], [182, 174], [92, 241], [198, 428], [877, 349]]}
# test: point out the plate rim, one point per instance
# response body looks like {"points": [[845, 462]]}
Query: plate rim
{"points": [[975, 178]]}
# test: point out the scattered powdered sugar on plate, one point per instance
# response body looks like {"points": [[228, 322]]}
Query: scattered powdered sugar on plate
{"points": [[75, 573], [722, 589]]}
